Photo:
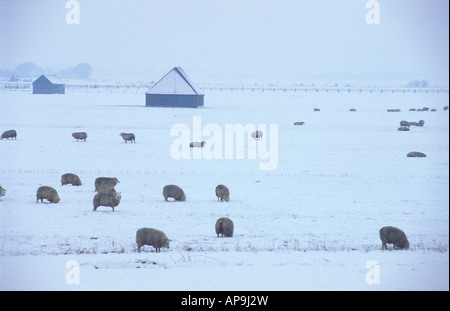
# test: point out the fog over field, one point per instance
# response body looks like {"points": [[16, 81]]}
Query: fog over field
{"points": [[307, 201]]}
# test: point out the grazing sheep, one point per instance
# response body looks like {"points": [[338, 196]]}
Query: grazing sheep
{"points": [[106, 181], [79, 136], [412, 109], [106, 199], [128, 136], [175, 192], [225, 227], [46, 192], [222, 193], [152, 237], [257, 135], [403, 128], [445, 107], [9, 134], [2, 191], [316, 109], [70, 178], [404, 123], [299, 123], [393, 110], [425, 108], [392, 235], [416, 154], [352, 109], [434, 109], [197, 144]]}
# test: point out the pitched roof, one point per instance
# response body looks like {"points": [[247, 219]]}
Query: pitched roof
{"points": [[48, 78], [174, 82]]}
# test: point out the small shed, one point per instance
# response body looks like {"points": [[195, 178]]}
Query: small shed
{"points": [[175, 89], [48, 84]]}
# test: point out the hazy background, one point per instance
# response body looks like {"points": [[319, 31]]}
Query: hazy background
{"points": [[231, 40]]}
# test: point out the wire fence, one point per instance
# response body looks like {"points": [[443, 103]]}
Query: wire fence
{"points": [[143, 87]]}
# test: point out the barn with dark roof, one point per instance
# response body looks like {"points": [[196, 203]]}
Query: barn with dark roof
{"points": [[175, 89], [48, 84]]}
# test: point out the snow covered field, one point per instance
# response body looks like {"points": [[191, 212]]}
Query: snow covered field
{"points": [[310, 224]]}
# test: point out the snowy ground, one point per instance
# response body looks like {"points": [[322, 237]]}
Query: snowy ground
{"points": [[310, 224]]}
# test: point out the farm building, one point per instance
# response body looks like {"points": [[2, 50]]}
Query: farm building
{"points": [[175, 89], [48, 84]]}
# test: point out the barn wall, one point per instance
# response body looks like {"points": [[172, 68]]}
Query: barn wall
{"points": [[172, 100], [48, 89]]}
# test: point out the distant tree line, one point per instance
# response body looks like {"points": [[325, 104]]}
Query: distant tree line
{"points": [[418, 83], [31, 70]]}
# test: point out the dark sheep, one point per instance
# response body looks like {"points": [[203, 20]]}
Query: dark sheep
{"points": [[175, 192], [416, 154], [9, 134], [257, 135], [70, 178], [152, 237], [48, 193], [299, 123], [79, 136], [222, 193], [197, 144], [128, 137], [225, 227], [392, 235]]}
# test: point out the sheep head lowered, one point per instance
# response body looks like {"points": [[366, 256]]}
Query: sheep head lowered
{"points": [[392, 235], [153, 237]]}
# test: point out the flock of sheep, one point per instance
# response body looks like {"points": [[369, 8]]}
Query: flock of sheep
{"points": [[418, 109], [126, 136], [404, 126], [12, 134], [107, 195]]}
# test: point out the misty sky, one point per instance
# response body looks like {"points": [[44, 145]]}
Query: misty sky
{"points": [[232, 40]]}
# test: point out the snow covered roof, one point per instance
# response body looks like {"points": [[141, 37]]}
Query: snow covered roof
{"points": [[51, 78], [174, 82]]}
